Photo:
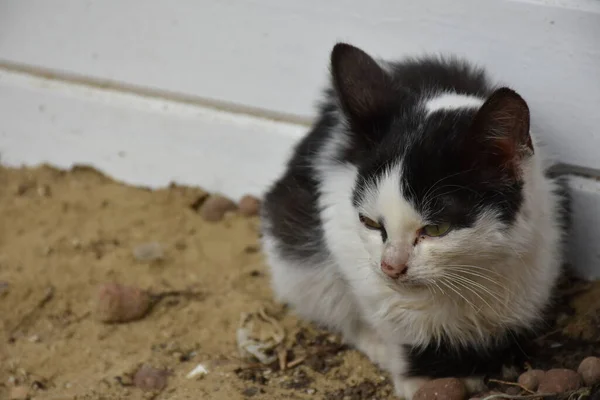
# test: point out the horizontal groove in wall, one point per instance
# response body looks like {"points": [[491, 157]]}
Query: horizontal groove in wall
{"points": [[561, 169], [92, 82]]}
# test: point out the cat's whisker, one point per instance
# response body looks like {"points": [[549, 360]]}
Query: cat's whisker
{"points": [[439, 287], [477, 274], [453, 288], [503, 287], [475, 267], [481, 287], [500, 317]]}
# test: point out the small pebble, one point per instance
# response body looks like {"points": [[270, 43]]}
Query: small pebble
{"points": [[118, 303], [215, 207], [531, 379], [34, 338], [149, 378], [559, 381], [4, 287], [589, 369], [442, 389], [19, 393], [197, 372], [249, 206], [23, 188], [44, 191], [251, 391], [148, 252], [76, 243]]}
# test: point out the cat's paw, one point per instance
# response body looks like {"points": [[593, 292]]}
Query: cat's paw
{"points": [[474, 384], [370, 344], [405, 388]]}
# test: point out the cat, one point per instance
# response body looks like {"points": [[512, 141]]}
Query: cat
{"points": [[416, 219]]}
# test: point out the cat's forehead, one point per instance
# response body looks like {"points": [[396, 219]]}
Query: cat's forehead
{"points": [[382, 198], [430, 167]]}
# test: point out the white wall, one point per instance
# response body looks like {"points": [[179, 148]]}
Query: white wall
{"points": [[272, 54], [265, 59]]}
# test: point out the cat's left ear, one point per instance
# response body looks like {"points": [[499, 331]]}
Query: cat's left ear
{"points": [[364, 89], [502, 127]]}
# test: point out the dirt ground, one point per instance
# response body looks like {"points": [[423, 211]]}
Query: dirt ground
{"points": [[64, 233]]}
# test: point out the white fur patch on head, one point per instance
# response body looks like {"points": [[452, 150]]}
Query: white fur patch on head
{"points": [[382, 200], [452, 101]]}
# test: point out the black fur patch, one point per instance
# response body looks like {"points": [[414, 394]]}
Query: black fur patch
{"points": [[446, 175], [443, 361], [291, 204]]}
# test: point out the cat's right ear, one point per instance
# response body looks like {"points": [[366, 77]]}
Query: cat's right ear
{"points": [[364, 88]]}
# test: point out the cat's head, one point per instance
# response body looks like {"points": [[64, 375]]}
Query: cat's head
{"points": [[441, 179]]}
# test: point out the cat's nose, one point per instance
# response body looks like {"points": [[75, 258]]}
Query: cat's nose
{"points": [[393, 271]]}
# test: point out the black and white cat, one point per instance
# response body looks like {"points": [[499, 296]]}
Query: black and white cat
{"points": [[416, 218]]}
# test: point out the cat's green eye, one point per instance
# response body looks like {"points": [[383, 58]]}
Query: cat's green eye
{"points": [[436, 230], [369, 223]]}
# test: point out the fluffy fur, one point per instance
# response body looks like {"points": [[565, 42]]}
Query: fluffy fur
{"points": [[409, 144]]}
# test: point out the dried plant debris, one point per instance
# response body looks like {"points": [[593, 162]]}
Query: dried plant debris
{"points": [[258, 335], [366, 389]]}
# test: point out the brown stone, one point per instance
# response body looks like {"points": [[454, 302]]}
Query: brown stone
{"points": [[149, 378], [215, 207], [19, 393], [559, 381], [249, 206], [442, 389], [589, 369], [118, 303], [531, 379]]}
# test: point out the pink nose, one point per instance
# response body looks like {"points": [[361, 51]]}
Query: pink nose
{"points": [[393, 271]]}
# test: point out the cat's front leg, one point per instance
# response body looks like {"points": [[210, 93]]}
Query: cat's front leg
{"points": [[405, 388], [368, 342], [390, 358]]}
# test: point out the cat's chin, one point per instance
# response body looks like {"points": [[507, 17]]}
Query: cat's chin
{"points": [[405, 283]]}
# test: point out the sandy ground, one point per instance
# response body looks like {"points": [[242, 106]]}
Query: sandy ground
{"points": [[64, 233]]}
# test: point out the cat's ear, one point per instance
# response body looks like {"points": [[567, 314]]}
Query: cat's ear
{"points": [[502, 126], [364, 89]]}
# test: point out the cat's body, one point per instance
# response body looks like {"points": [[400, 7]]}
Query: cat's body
{"points": [[415, 218]]}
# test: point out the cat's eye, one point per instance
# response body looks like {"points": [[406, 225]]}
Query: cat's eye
{"points": [[436, 230], [369, 223]]}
